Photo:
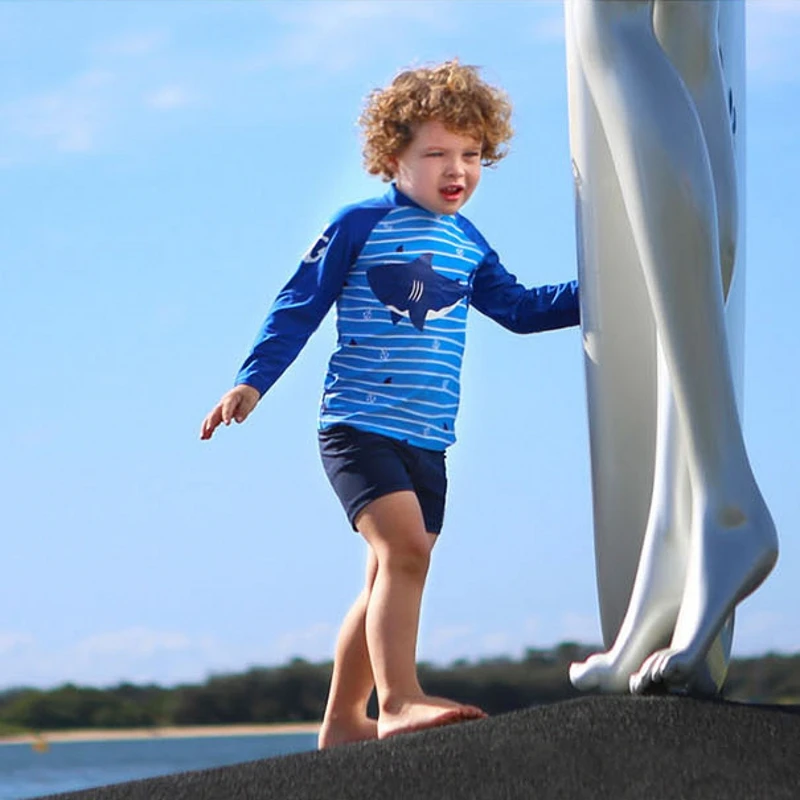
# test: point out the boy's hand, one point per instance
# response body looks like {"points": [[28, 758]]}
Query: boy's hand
{"points": [[235, 405]]}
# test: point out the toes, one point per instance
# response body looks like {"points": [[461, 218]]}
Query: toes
{"points": [[642, 679], [656, 672], [472, 712], [637, 683], [660, 665], [675, 668], [451, 716], [665, 670]]}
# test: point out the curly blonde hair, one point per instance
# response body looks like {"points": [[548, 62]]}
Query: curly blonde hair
{"points": [[451, 93]]}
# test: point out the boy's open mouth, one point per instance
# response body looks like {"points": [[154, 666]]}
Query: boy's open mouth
{"points": [[452, 192]]}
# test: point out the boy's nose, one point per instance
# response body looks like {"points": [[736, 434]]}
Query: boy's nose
{"points": [[454, 168]]}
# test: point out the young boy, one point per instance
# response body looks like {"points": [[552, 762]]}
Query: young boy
{"points": [[402, 269]]}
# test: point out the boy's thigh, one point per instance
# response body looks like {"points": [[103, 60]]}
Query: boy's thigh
{"points": [[364, 466], [394, 524]]}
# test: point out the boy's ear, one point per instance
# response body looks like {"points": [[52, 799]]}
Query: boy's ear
{"points": [[391, 165]]}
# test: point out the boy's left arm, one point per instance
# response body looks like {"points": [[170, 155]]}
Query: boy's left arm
{"points": [[499, 295]]}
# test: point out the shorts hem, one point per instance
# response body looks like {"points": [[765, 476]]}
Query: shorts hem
{"points": [[372, 496]]}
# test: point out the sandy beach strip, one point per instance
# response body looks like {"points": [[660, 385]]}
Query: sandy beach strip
{"points": [[172, 732]]}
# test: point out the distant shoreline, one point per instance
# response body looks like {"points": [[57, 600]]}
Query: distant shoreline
{"points": [[167, 732]]}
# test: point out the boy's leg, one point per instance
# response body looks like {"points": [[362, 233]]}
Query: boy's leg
{"points": [[345, 717], [394, 528]]}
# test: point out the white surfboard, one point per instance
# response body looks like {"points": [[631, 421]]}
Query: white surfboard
{"points": [[619, 336]]}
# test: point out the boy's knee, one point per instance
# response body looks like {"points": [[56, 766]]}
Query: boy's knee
{"points": [[410, 557]]}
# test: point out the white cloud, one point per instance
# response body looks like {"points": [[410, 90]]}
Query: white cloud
{"points": [[132, 642], [336, 35], [94, 108], [142, 655], [67, 119], [14, 641], [135, 654], [168, 97]]}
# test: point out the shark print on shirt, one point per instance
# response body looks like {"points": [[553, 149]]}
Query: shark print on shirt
{"points": [[402, 279], [415, 290], [401, 319]]}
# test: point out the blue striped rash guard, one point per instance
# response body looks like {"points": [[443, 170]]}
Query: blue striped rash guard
{"points": [[403, 279]]}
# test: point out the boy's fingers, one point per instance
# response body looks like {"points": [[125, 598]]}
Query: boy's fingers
{"points": [[206, 429], [229, 409], [210, 423], [246, 405], [243, 411], [234, 407]]}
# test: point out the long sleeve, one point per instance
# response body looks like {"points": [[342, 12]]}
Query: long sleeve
{"points": [[299, 308], [499, 295]]}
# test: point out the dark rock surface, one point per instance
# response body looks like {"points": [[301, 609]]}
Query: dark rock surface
{"points": [[610, 747]]}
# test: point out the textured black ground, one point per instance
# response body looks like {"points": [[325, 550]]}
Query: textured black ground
{"points": [[615, 748]]}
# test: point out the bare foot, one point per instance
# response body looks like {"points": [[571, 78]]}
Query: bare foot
{"points": [[607, 672], [647, 626], [343, 731], [425, 712], [651, 614], [736, 552]]}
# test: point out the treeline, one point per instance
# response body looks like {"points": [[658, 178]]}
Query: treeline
{"points": [[297, 691]]}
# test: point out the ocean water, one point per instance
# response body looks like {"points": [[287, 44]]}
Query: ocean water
{"points": [[70, 766]]}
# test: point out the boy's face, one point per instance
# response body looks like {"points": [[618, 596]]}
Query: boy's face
{"points": [[439, 169]]}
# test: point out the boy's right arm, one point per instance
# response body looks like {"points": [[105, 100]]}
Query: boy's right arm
{"points": [[296, 313]]}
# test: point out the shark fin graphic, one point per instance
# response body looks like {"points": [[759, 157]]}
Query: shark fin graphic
{"points": [[417, 313]]}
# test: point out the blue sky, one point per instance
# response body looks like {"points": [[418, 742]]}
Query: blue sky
{"points": [[163, 166]]}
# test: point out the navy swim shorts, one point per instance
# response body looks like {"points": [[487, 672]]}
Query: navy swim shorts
{"points": [[364, 466]]}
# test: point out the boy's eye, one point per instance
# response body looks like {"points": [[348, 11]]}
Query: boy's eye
{"points": [[434, 153]]}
